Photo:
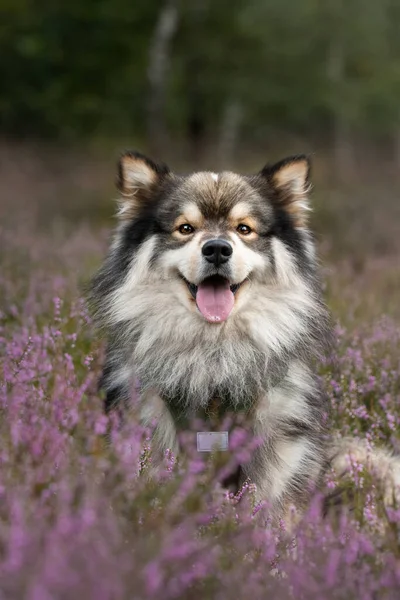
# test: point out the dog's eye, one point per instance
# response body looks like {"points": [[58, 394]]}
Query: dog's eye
{"points": [[186, 229], [243, 229]]}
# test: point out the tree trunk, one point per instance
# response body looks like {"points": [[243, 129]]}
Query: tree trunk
{"points": [[157, 72], [343, 156], [196, 123], [396, 144], [195, 70], [230, 128]]}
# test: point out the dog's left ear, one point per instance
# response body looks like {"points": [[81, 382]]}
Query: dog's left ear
{"points": [[138, 178], [290, 179]]}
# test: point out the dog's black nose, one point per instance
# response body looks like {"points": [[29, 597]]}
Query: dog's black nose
{"points": [[217, 252]]}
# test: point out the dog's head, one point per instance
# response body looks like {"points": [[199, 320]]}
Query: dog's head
{"points": [[213, 235]]}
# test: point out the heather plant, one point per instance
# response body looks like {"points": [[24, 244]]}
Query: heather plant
{"points": [[81, 518]]}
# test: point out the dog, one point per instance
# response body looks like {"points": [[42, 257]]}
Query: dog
{"points": [[210, 297]]}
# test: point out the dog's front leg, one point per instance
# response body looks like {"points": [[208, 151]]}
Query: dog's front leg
{"points": [[285, 471], [117, 382], [154, 413]]}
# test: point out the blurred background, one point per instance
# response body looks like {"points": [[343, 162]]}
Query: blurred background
{"points": [[213, 84]]}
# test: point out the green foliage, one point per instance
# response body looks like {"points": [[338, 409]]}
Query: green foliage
{"points": [[73, 69]]}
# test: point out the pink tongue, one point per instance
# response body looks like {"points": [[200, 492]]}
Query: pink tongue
{"points": [[215, 300]]}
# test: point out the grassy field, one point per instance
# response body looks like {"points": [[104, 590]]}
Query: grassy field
{"points": [[78, 518]]}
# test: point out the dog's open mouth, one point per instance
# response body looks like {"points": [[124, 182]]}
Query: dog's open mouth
{"points": [[215, 297]]}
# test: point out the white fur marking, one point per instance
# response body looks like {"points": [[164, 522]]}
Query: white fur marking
{"points": [[292, 456], [153, 410], [288, 398]]}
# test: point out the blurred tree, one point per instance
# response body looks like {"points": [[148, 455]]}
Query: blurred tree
{"points": [[229, 71], [159, 63], [73, 68]]}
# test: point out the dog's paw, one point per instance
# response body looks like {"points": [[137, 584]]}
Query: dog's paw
{"points": [[351, 456]]}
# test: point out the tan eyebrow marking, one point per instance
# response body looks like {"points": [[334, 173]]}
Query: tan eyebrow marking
{"points": [[241, 210], [240, 213], [191, 215]]}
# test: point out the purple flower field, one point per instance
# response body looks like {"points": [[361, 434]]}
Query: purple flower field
{"points": [[79, 518]]}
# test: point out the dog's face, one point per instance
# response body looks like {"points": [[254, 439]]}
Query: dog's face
{"points": [[211, 236]]}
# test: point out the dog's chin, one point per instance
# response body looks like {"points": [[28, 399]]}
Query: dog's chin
{"points": [[214, 296]]}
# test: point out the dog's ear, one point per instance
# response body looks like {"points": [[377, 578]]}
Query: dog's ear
{"points": [[290, 179], [138, 178]]}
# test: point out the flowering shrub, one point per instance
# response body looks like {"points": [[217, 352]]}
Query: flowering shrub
{"points": [[79, 518]]}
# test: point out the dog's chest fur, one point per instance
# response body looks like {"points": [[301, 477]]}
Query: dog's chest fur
{"points": [[257, 366], [289, 418]]}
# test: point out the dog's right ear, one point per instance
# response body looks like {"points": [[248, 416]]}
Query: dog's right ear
{"points": [[137, 179]]}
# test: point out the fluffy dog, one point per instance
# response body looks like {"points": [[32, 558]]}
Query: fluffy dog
{"points": [[211, 300]]}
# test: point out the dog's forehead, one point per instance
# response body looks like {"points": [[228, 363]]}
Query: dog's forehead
{"points": [[217, 194]]}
